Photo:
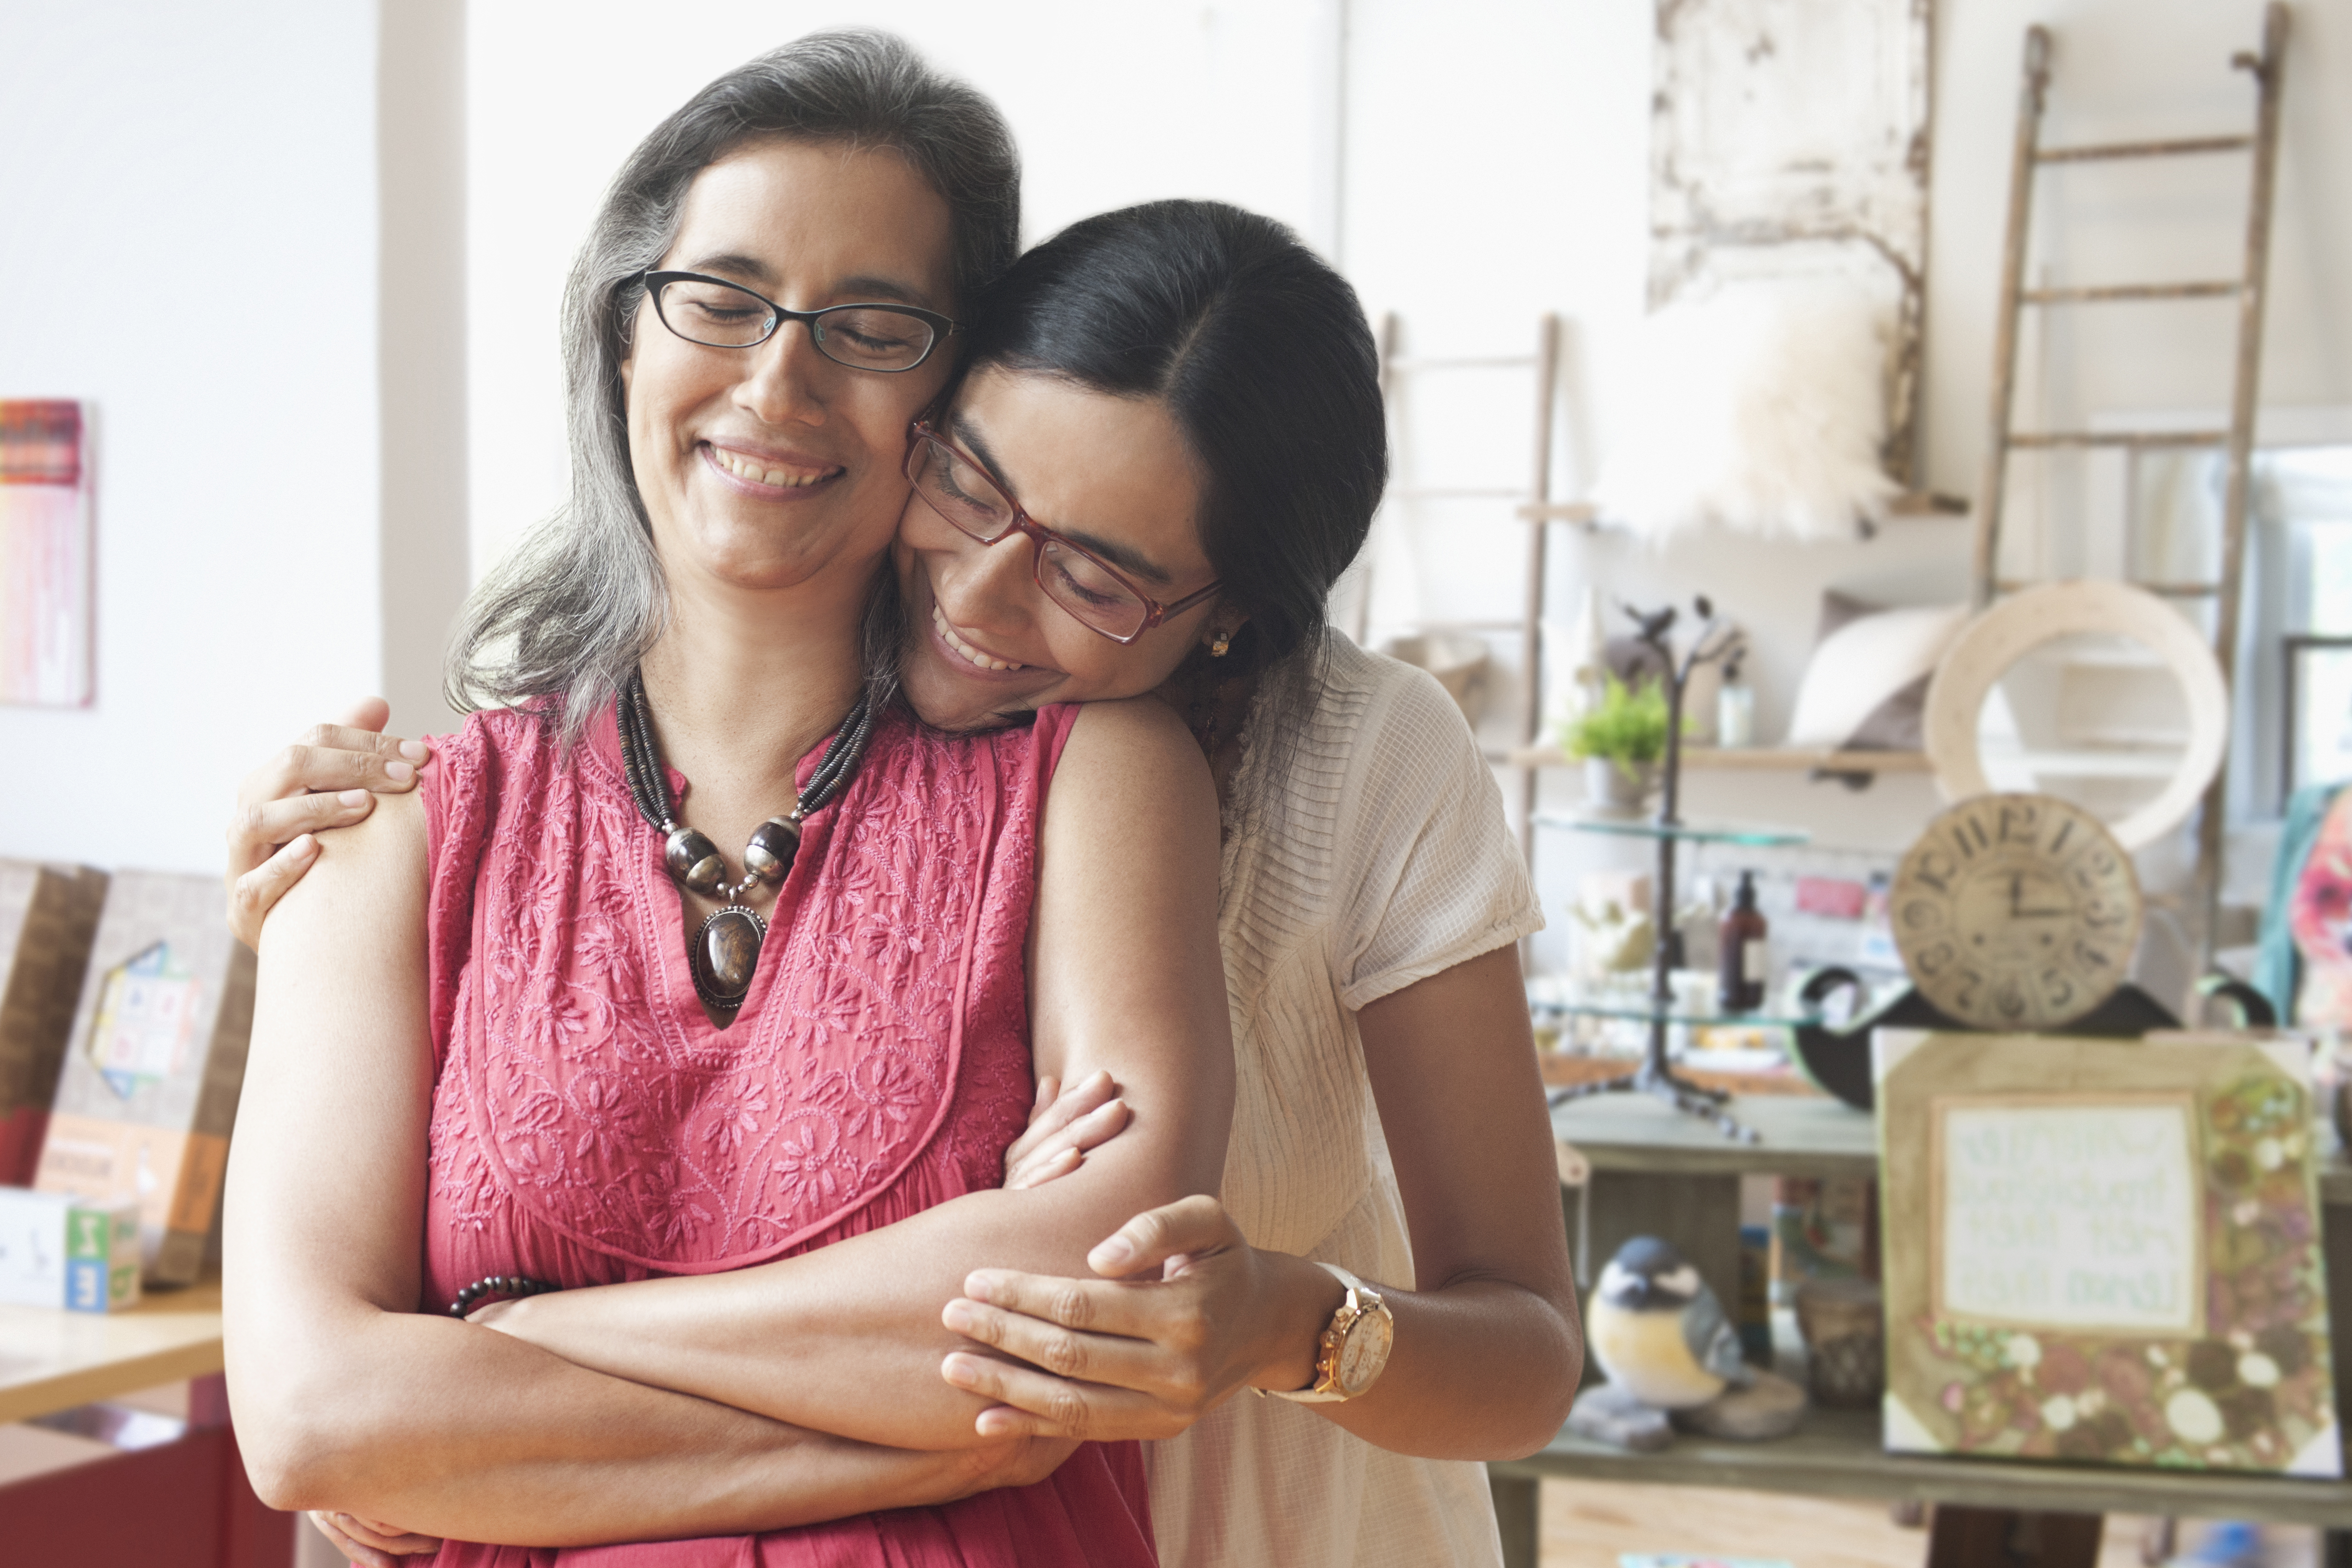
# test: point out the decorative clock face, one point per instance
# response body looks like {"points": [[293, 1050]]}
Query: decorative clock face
{"points": [[2016, 911]]}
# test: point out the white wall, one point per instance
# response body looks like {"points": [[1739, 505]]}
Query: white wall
{"points": [[190, 241], [1111, 104], [1497, 166]]}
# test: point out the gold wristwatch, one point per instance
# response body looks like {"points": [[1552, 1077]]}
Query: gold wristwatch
{"points": [[1354, 1349]]}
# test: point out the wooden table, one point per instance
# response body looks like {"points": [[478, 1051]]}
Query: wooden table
{"points": [[52, 1361], [1655, 1172], [185, 1504]]}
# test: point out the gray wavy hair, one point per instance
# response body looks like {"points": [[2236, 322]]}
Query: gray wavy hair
{"points": [[570, 612]]}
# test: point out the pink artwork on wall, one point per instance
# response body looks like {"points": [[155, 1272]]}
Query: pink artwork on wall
{"points": [[44, 552]]}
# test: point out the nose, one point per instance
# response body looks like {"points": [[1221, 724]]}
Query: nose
{"points": [[989, 587], [783, 378]]}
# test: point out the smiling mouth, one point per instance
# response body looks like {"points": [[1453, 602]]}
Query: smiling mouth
{"points": [[970, 654], [788, 477]]}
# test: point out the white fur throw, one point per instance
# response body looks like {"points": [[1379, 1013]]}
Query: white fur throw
{"points": [[1760, 407]]}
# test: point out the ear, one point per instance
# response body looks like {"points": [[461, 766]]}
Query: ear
{"points": [[1226, 623]]}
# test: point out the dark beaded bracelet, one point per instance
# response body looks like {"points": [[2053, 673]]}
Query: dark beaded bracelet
{"points": [[498, 1285]]}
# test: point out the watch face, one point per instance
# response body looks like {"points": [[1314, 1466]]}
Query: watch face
{"points": [[2016, 911], [1365, 1352]]}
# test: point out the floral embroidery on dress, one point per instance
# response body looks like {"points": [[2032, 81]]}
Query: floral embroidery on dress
{"points": [[582, 1090]]}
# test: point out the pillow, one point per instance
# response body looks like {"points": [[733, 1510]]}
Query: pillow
{"points": [[1760, 406], [1866, 684]]}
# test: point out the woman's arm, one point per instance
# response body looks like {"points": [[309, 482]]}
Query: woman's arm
{"points": [[1125, 978], [348, 1397], [1487, 1343]]}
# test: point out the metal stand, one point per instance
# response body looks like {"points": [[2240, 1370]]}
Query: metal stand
{"points": [[1656, 1076]]}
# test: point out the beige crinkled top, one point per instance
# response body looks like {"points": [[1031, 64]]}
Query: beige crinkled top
{"points": [[1380, 859]]}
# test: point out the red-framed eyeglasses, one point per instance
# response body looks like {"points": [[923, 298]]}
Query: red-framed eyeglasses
{"points": [[953, 483]]}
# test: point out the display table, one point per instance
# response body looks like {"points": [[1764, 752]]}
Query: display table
{"points": [[52, 1361], [185, 1504], [1655, 1172]]}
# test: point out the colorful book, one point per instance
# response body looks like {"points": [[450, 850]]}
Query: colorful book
{"points": [[47, 916], [156, 1055]]}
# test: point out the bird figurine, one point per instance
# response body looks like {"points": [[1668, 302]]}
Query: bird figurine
{"points": [[1659, 1333]]}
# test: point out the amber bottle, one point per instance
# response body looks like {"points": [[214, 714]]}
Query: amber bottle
{"points": [[1742, 959]]}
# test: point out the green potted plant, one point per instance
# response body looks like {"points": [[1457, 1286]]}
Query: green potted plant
{"points": [[1619, 740]]}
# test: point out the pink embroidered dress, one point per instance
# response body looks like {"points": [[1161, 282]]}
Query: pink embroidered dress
{"points": [[590, 1127]]}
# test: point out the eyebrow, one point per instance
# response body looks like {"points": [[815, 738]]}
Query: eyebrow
{"points": [[865, 286], [1125, 557]]}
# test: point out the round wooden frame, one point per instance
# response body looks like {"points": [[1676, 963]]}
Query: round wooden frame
{"points": [[1989, 645]]}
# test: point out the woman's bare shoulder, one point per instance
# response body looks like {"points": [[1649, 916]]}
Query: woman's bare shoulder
{"points": [[378, 861]]}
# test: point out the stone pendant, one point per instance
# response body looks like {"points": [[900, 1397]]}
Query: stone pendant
{"points": [[726, 952]]}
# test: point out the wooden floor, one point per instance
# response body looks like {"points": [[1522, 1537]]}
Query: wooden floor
{"points": [[1587, 1523]]}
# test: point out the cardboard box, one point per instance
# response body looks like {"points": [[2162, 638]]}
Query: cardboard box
{"points": [[57, 1250], [47, 916], [155, 1058]]}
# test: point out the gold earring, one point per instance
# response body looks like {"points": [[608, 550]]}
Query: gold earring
{"points": [[1224, 641]]}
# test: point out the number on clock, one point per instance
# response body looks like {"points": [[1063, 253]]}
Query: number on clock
{"points": [[2016, 911]]}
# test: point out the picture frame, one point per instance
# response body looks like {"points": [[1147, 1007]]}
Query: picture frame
{"points": [[2104, 1251], [2314, 663]]}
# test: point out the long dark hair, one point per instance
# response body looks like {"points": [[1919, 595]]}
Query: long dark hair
{"points": [[1263, 356]]}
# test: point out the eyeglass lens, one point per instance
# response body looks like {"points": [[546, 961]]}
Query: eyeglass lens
{"points": [[966, 496], [720, 316]]}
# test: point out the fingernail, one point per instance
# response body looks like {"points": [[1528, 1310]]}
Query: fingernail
{"points": [[975, 1286], [304, 844], [1112, 1253], [354, 797], [399, 773], [958, 1316], [960, 1371], [414, 751], [991, 1422]]}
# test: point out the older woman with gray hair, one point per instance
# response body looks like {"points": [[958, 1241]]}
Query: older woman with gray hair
{"points": [[533, 1029]]}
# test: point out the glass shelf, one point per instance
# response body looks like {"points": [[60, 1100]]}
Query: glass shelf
{"points": [[1755, 836], [1641, 1009]]}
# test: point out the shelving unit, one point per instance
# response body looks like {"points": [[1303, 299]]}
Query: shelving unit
{"points": [[1657, 1172], [1759, 759]]}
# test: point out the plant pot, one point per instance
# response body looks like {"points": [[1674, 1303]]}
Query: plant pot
{"points": [[1617, 789]]}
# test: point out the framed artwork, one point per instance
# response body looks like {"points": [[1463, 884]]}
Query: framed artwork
{"points": [[2318, 729], [2104, 1251], [44, 552], [1789, 139]]}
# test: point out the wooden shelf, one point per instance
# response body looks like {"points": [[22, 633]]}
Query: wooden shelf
{"points": [[1799, 1135], [52, 1359], [1836, 1453], [1760, 759], [1910, 503]]}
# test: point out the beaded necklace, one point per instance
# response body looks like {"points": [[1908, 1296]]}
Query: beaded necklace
{"points": [[726, 950]]}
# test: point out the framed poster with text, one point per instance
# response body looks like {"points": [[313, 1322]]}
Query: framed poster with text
{"points": [[2102, 1250]]}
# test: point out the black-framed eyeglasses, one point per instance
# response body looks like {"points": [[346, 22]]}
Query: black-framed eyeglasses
{"points": [[722, 315], [953, 483]]}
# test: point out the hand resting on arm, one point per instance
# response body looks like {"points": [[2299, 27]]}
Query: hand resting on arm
{"points": [[1125, 979], [347, 1397]]}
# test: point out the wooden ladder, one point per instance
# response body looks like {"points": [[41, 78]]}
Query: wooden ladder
{"points": [[2028, 157], [1544, 362]]}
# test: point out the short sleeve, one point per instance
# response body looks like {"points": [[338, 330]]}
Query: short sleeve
{"points": [[1430, 874]]}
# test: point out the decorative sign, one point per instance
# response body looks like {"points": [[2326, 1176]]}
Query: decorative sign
{"points": [[2052, 1213], [45, 553], [2104, 1250]]}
